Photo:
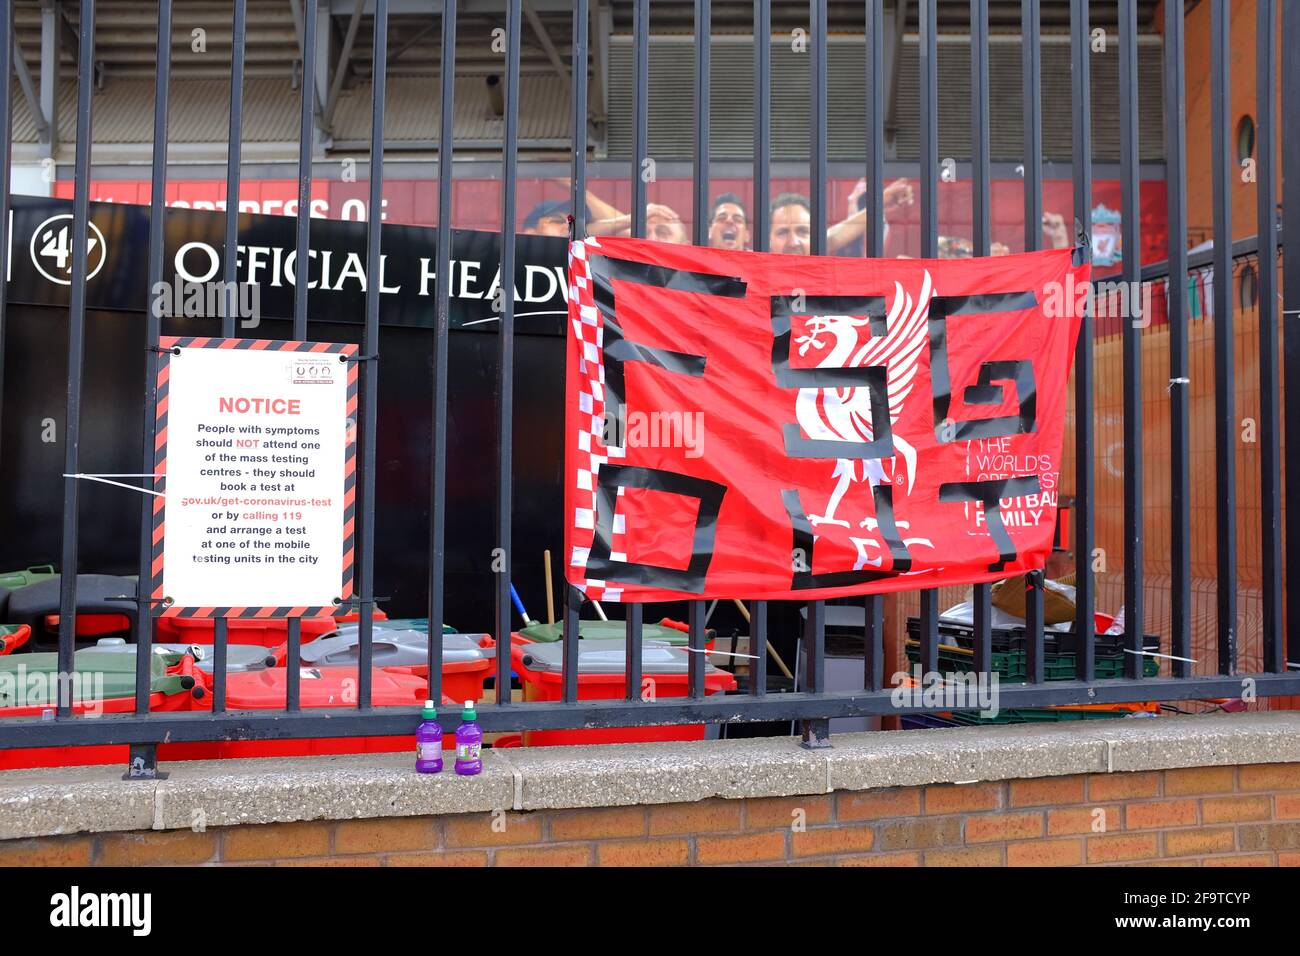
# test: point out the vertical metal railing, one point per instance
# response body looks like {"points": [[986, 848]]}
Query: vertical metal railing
{"points": [[874, 41], [817, 127], [640, 111], [76, 354], [1291, 312], [230, 273], [697, 661], [153, 329], [640, 174], [7, 41], [1270, 425], [981, 594], [367, 478], [979, 113], [631, 650], [700, 177], [506, 351], [442, 312], [758, 226], [1084, 360], [873, 636], [569, 663], [1180, 493], [929, 173], [578, 179], [1130, 202], [1225, 424], [813, 666], [302, 269], [578, 76], [1030, 60]]}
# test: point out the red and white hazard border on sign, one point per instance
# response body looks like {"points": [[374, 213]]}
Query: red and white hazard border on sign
{"points": [[166, 344]]}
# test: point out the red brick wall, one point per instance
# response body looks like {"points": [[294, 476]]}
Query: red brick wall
{"points": [[1242, 93], [1208, 816]]}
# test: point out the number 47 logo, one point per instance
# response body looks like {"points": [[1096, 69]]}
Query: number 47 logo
{"points": [[51, 249]]}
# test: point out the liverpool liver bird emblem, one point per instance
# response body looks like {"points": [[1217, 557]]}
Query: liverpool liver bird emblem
{"points": [[844, 414]]}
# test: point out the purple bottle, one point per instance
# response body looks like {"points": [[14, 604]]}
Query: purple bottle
{"points": [[469, 742], [428, 741]]}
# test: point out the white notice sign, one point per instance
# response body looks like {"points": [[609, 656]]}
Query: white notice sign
{"points": [[256, 448]]}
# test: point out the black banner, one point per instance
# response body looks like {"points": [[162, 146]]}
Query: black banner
{"points": [[40, 257]]}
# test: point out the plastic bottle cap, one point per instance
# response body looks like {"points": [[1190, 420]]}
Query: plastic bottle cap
{"points": [[468, 713], [430, 712]]}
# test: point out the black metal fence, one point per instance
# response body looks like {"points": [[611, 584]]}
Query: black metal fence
{"points": [[810, 704]]}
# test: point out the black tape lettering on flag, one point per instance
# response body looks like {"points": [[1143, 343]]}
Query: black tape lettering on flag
{"points": [[989, 493], [618, 348], [1021, 371], [600, 564]]}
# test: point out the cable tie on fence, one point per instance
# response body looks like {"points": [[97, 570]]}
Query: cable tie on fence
{"points": [[705, 650], [1177, 381], [357, 602], [137, 600], [1168, 657], [373, 357], [173, 350]]}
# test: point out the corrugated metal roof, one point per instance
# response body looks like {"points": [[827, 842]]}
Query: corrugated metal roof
{"points": [[732, 100], [412, 110], [677, 16], [126, 37], [123, 112], [200, 109], [200, 91], [1006, 117]]}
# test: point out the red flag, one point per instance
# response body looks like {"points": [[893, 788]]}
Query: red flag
{"points": [[763, 426]]}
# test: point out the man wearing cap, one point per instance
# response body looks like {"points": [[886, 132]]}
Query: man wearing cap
{"points": [[549, 218]]}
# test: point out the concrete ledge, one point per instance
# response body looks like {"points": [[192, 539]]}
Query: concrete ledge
{"points": [[226, 793]]}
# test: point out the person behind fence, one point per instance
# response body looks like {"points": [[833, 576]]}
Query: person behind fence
{"points": [[729, 223], [548, 218], [661, 222], [791, 220], [848, 237]]}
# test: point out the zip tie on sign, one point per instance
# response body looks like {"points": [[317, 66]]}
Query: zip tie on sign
{"points": [[104, 479]]}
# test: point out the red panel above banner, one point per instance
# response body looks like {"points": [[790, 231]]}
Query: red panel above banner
{"points": [[763, 426]]}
